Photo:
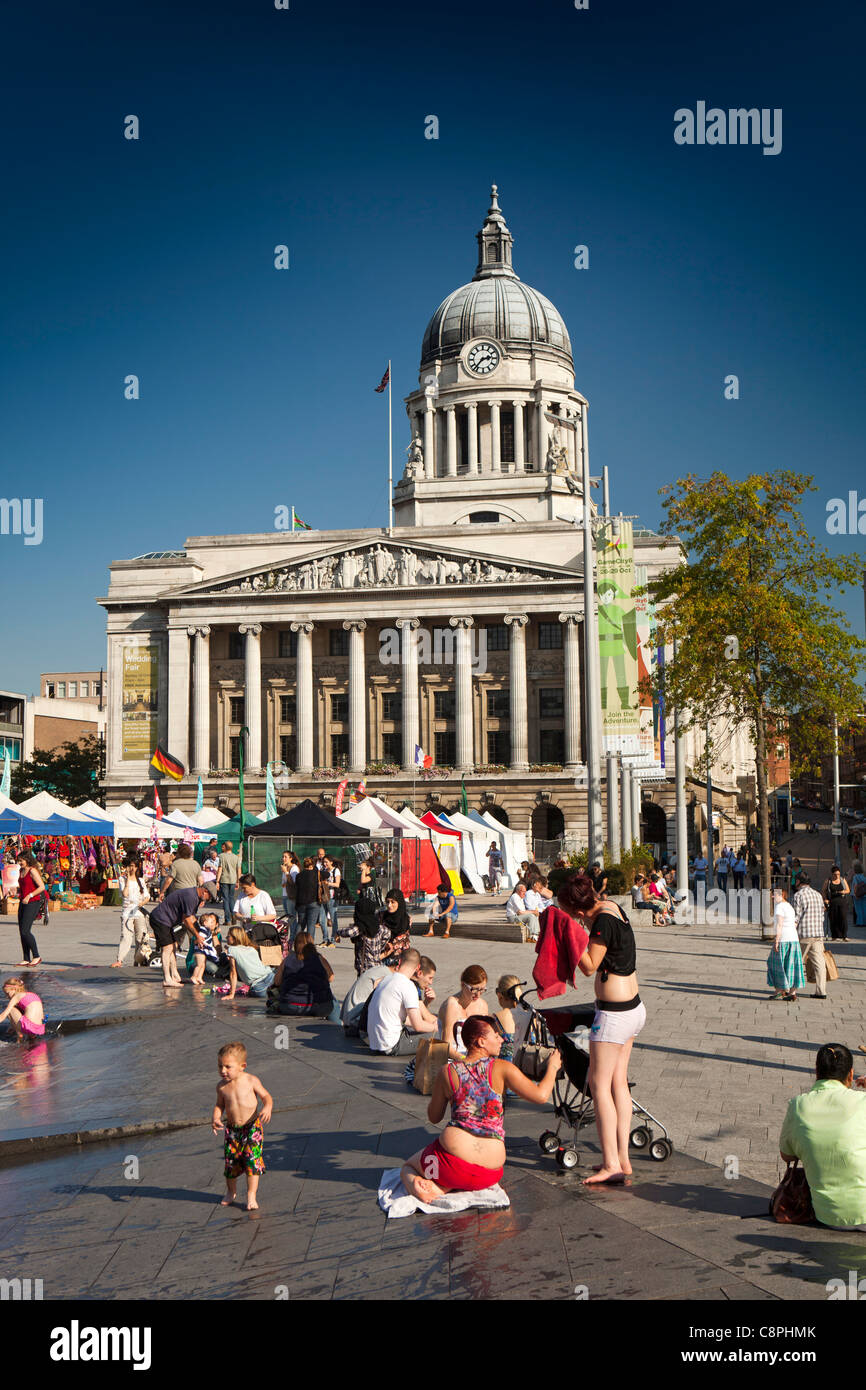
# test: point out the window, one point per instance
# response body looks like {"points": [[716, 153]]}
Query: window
{"points": [[236, 710], [444, 750], [339, 750], [499, 704], [234, 746], [550, 703], [12, 746], [237, 646], [85, 690], [497, 637], [288, 645], [549, 636], [288, 710], [479, 518], [392, 748], [97, 689], [61, 690], [392, 706], [339, 641], [498, 746], [287, 750], [49, 691], [339, 709], [443, 705], [551, 745], [780, 750], [73, 690], [506, 436]]}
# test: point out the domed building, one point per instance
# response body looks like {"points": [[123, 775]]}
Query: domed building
{"points": [[496, 406], [455, 631]]}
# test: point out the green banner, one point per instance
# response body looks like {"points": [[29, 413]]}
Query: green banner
{"points": [[139, 715], [617, 638]]}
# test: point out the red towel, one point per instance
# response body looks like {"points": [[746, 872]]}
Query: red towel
{"points": [[561, 943]]}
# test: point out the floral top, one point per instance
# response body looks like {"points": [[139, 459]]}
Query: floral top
{"points": [[475, 1106], [369, 950]]}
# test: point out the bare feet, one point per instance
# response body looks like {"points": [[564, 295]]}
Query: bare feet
{"points": [[252, 1204], [605, 1175], [623, 1168], [116, 964]]}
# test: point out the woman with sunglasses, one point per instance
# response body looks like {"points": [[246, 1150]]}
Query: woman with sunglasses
{"points": [[468, 1002]]}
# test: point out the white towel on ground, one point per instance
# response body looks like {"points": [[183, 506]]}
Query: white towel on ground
{"points": [[396, 1201]]}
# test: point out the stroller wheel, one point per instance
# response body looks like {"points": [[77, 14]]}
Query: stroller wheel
{"points": [[566, 1158], [640, 1137], [548, 1143], [660, 1149]]}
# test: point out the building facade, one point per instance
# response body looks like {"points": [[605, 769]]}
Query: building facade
{"points": [[459, 629]]}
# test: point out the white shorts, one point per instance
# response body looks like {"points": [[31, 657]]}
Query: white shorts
{"points": [[617, 1026]]}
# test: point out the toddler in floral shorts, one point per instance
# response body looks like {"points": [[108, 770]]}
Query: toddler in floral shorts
{"points": [[237, 1112]]}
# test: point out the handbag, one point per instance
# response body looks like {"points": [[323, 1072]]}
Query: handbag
{"points": [[791, 1203], [832, 967], [532, 1056], [430, 1058]]}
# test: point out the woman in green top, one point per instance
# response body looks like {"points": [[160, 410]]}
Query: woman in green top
{"points": [[826, 1129]]}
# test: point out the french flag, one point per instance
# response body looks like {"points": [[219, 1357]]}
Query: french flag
{"points": [[422, 759]]}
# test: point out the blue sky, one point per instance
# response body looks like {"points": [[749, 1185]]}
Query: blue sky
{"points": [[306, 127]]}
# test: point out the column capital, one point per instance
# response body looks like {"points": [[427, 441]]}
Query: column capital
{"points": [[301, 627], [253, 628], [354, 625], [516, 619], [198, 631], [494, 404], [462, 622], [449, 409], [408, 622], [570, 617]]}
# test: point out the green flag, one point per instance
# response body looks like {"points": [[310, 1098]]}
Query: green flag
{"points": [[244, 731], [270, 795], [199, 796], [464, 803], [7, 774]]}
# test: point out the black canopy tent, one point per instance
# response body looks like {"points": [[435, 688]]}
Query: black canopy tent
{"points": [[307, 827]]}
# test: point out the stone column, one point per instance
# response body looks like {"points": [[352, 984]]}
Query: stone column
{"points": [[409, 675], [429, 456], [540, 437], [463, 687], [450, 442], [252, 632], [356, 628], [178, 693], [472, 436], [519, 710], [572, 690], [304, 698], [519, 452], [201, 699], [495, 438]]}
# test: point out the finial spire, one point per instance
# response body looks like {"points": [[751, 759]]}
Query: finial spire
{"points": [[494, 242]]}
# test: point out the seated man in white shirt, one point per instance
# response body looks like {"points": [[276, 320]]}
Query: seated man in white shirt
{"points": [[396, 1018], [253, 902], [517, 909]]}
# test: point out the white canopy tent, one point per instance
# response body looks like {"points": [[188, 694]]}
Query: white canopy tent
{"points": [[373, 814], [129, 823], [206, 818], [6, 804], [473, 848], [43, 805], [511, 842]]}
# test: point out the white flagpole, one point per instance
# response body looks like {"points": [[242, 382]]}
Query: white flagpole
{"points": [[390, 459]]}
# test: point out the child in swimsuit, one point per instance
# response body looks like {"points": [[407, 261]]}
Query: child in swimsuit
{"points": [[24, 1009], [236, 1110]]}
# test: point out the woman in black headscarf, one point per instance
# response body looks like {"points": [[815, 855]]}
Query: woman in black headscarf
{"points": [[372, 939], [396, 919]]}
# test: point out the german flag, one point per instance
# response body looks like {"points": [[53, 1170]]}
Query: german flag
{"points": [[164, 762]]}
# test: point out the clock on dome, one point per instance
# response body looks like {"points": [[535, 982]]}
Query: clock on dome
{"points": [[483, 358]]}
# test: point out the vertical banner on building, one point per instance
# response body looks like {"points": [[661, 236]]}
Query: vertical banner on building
{"points": [[139, 717], [650, 658], [617, 639]]}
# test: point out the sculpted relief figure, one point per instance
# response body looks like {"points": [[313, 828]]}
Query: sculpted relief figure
{"points": [[415, 461], [377, 567]]}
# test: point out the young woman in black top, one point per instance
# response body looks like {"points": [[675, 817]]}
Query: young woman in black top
{"points": [[619, 1017]]}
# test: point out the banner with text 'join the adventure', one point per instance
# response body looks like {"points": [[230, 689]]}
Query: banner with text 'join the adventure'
{"points": [[617, 639]]}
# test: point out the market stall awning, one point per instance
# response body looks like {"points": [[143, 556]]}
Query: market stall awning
{"points": [[307, 821], [44, 804], [13, 823]]}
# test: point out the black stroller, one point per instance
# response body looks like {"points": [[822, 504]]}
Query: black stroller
{"points": [[572, 1100]]}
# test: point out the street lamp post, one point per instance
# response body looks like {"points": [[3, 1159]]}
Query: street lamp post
{"points": [[592, 665]]}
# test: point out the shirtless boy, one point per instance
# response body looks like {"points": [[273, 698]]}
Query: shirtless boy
{"points": [[236, 1110]]}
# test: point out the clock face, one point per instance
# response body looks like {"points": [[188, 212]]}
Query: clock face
{"points": [[483, 358]]}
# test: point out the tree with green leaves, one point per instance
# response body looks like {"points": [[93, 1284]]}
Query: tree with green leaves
{"points": [[71, 773], [751, 612]]}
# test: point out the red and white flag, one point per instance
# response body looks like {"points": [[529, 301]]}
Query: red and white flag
{"points": [[385, 379], [338, 799], [157, 805]]}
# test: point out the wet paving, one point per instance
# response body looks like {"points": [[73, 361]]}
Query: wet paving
{"points": [[139, 1216]]}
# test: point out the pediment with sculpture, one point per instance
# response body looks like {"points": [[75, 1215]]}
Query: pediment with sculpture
{"points": [[383, 566]]}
